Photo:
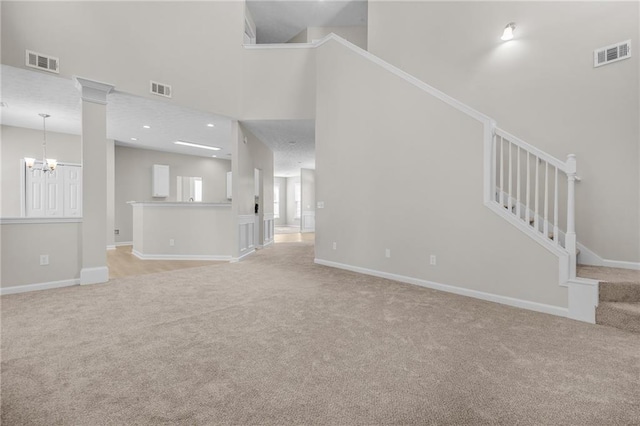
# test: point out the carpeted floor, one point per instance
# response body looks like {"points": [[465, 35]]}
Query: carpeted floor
{"points": [[276, 339]]}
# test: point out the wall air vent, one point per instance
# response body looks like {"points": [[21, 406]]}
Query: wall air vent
{"points": [[42, 62], [160, 89], [615, 52]]}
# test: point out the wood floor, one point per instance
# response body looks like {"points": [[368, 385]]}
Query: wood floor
{"points": [[122, 263]]}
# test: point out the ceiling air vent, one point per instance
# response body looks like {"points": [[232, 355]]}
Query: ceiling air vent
{"points": [[615, 52], [160, 89], [42, 62]]}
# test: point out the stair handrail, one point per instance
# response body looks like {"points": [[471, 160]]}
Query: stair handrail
{"points": [[490, 131], [568, 167]]}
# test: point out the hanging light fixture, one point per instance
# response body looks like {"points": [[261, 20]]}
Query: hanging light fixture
{"points": [[507, 34], [48, 164]]}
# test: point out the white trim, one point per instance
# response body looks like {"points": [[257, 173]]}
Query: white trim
{"points": [[589, 257], [387, 66], [124, 243], [583, 299], [97, 275], [561, 165], [239, 258], [111, 247], [268, 216], [38, 220], [621, 264], [505, 300], [143, 256], [267, 244], [40, 286], [408, 78], [93, 91], [244, 219]]}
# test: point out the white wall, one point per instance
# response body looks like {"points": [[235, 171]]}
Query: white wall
{"points": [[249, 153], [278, 84], [301, 37], [22, 245], [197, 231], [308, 199], [17, 143], [541, 86], [423, 197], [292, 220], [194, 46], [281, 182], [133, 180]]}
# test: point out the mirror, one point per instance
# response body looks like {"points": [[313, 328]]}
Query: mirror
{"points": [[189, 189]]}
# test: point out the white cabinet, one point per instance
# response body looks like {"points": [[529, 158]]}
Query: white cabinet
{"points": [[229, 186], [160, 180]]}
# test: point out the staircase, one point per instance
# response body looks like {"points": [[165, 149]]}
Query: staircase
{"points": [[619, 296]]}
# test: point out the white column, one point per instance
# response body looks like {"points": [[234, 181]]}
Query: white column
{"points": [[94, 186]]}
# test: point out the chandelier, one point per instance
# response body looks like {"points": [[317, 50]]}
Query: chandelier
{"points": [[48, 164]]}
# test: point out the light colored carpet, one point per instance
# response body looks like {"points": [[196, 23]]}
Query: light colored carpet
{"points": [[276, 339]]}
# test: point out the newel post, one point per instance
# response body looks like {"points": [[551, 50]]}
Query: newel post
{"points": [[570, 237]]}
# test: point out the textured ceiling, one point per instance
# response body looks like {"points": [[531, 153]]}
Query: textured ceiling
{"points": [[277, 21], [28, 93], [278, 135]]}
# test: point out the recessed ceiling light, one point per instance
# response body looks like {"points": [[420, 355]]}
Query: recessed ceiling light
{"points": [[197, 145], [214, 156], [134, 139], [146, 127], [211, 125]]}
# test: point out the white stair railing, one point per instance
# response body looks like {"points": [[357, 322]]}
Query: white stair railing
{"points": [[529, 184]]}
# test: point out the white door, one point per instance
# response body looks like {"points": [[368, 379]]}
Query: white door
{"points": [[72, 191], [34, 192]]}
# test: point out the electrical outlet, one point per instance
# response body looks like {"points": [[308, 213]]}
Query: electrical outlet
{"points": [[320, 204], [44, 259], [432, 259], [172, 242], [387, 252], [335, 245], [116, 232]]}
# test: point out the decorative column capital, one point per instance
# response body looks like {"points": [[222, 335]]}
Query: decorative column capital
{"points": [[93, 91]]}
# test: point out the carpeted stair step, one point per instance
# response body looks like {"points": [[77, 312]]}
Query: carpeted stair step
{"points": [[619, 292], [625, 316]]}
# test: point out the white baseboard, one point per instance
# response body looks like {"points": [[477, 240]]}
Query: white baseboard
{"points": [[589, 257], [96, 275], [238, 259], [111, 247], [124, 243], [505, 300], [621, 264], [39, 286], [180, 256], [268, 243]]}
